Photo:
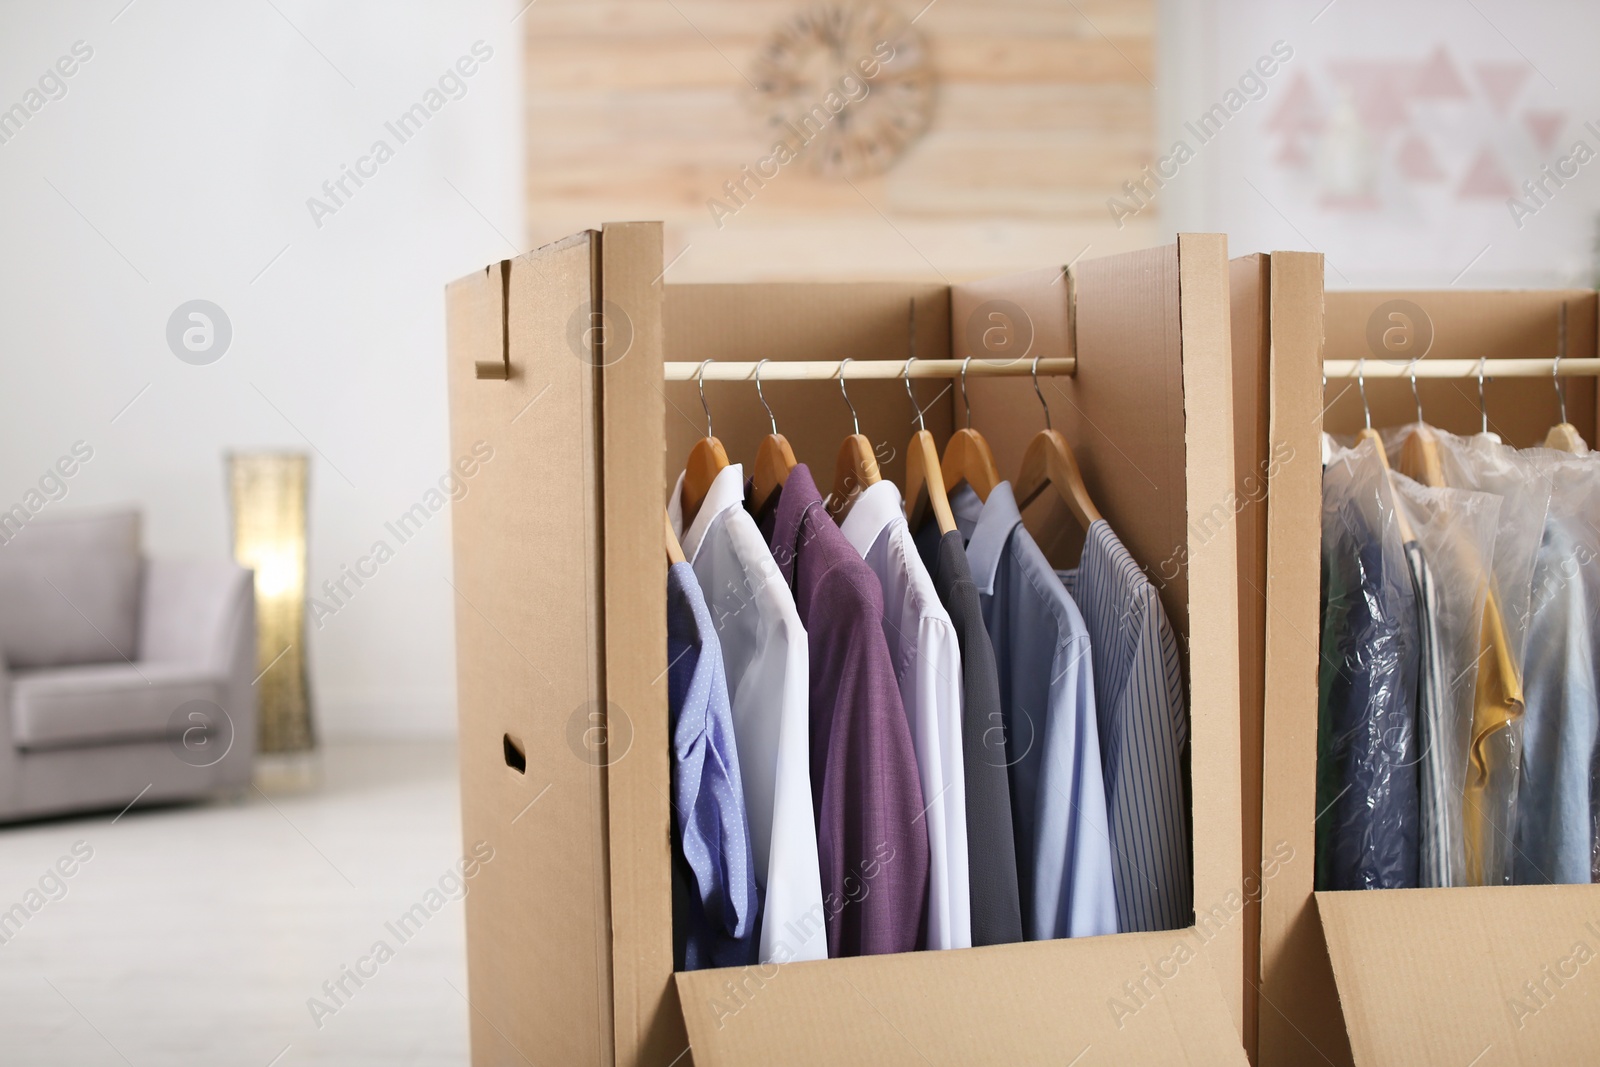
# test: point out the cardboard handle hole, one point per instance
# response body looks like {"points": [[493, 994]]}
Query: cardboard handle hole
{"points": [[516, 759]]}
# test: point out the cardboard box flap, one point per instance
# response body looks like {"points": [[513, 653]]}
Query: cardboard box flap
{"points": [[1483, 976], [1093, 1000]]}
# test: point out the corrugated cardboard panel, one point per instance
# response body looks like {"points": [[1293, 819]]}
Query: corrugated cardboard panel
{"points": [[1299, 1018], [1466, 325], [788, 321], [1211, 549], [624, 338], [527, 575], [1122, 411], [1111, 1000], [1249, 284], [1483, 976], [1149, 416]]}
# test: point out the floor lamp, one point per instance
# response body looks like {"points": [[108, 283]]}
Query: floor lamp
{"points": [[268, 495]]}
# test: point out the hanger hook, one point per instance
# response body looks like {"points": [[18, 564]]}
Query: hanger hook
{"points": [[1555, 372], [1411, 372], [854, 421], [700, 378], [1040, 394], [1361, 383], [770, 417], [905, 376], [1483, 408], [911, 314], [964, 401]]}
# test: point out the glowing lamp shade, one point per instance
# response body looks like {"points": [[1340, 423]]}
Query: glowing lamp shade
{"points": [[267, 491]]}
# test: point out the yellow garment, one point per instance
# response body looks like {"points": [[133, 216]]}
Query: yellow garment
{"points": [[1491, 766]]}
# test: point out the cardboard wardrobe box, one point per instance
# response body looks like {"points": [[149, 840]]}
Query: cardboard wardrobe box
{"points": [[1277, 307], [1417, 975], [556, 369]]}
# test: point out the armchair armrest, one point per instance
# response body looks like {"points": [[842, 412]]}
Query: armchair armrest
{"points": [[195, 612]]}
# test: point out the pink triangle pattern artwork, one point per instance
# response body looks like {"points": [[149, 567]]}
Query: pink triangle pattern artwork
{"points": [[1361, 129], [1298, 112], [1437, 79], [1545, 125], [1376, 89], [1485, 178], [1501, 82], [1417, 161]]}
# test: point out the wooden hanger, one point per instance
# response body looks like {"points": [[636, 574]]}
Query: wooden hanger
{"points": [[1419, 456], [1369, 434], [968, 458], [706, 461], [857, 465], [774, 458], [924, 480], [674, 549], [1563, 436], [1049, 461]]}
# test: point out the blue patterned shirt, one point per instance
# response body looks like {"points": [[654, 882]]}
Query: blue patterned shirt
{"points": [[714, 895]]}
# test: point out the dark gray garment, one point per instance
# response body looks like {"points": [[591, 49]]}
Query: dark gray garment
{"points": [[991, 849]]}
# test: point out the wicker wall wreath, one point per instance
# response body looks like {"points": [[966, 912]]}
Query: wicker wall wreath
{"points": [[848, 86]]}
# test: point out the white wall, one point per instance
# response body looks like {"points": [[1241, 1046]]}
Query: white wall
{"points": [[178, 166], [1526, 85]]}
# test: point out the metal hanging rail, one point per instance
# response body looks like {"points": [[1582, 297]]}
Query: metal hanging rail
{"points": [[830, 370]]}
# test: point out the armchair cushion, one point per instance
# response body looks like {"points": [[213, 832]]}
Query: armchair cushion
{"points": [[69, 592], [106, 703]]}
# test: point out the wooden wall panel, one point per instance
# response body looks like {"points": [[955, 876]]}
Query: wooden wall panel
{"points": [[642, 109]]}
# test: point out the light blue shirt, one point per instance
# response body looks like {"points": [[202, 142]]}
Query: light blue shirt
{"points": [[1047, 700], [1561, 714], [1144, 730]]}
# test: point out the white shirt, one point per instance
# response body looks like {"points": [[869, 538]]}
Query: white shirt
{"points": [[766, 657], [927, 667]]}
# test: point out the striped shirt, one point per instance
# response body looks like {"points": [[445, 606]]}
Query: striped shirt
{"points": [[1144, 733]]}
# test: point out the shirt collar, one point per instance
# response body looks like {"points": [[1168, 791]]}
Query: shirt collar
{"points": [[990, 535], [876, 507], [727, 490], [799, 497]]}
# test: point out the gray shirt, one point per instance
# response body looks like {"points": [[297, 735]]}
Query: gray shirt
{"points": [[991, 852]]}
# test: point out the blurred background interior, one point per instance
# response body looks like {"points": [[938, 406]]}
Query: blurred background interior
{"points": [[227, 233]]}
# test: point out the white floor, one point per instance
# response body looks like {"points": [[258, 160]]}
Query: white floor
{"points": [[197, 935]]}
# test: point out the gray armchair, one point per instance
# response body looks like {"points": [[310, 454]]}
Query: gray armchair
{"points": [[119, 675]]}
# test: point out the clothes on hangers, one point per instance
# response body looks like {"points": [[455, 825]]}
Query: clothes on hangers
{"points": [[1453, 531], [1143, 725], [710, 832], [764, 650], [1556, 797], [991, 847], [1367, 802], [1058, 798], [872, 839], [927, 664], [1482, 463], [914, 728]]}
